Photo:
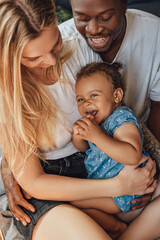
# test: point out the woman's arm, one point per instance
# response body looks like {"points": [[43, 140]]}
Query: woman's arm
{"points": [[54, 187], [131, 180]]}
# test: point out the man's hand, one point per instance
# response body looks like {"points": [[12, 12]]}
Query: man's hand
{"points": [[15, 197], [142, 201]]}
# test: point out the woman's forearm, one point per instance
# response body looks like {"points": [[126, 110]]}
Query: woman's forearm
{"points": [[131, 180], [54, 187]]}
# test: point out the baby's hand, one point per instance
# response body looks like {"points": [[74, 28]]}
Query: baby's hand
{"points": [[87, 129], [75, 128]]}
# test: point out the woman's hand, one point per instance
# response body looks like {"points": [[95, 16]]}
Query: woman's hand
{"points": [[15, 197], [138, 181]]}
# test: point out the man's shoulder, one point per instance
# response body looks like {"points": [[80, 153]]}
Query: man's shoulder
{"points": [[68, 29], [142, 16], [142, 24]]}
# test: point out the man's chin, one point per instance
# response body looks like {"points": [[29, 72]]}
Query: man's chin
{"points": [[98, 50]]}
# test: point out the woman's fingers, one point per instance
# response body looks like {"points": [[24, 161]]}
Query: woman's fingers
{"points": [[138, 181]]}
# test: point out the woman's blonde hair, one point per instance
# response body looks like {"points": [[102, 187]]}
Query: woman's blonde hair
{"points": [[27, 111]]}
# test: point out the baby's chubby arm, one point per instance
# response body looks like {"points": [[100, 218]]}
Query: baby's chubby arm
{"points": [[125, 146]]}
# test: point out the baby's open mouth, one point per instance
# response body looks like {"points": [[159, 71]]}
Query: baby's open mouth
{"points": [[92, 112]]}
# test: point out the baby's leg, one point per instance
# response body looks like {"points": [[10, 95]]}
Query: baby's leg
{"points": [[108, 222], [104, 204], [98, 210], [146, 225]]}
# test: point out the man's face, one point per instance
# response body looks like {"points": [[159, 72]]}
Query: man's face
{"points": [[101, 22]]}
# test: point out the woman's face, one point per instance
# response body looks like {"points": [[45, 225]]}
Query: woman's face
{"points": [[40, 52]]}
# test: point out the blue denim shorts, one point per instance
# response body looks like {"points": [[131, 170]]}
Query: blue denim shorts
{"points": [[71, 166]]}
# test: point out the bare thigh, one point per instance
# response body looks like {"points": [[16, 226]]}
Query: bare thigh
{"points": [[69, 223]]}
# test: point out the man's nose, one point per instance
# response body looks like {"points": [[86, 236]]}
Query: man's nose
{"points": [[93, 27]]}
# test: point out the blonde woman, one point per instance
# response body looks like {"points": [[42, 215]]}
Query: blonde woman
{"points": [[37, 111]]}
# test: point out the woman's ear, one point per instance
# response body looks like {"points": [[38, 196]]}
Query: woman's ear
{"points": [[118, 95]]}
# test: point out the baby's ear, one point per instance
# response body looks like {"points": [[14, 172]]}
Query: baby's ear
{"points": [[118, 95]]}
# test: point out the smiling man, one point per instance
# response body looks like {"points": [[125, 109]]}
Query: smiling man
{"points": [[131, 37]]}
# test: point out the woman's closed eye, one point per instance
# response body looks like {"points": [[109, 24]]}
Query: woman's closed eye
{"points": [[33, 59]]}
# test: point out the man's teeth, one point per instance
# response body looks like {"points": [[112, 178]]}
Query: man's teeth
{"points": [[97, 40]]}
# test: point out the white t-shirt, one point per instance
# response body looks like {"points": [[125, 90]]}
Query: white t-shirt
{"points": [[140, 55], [65, 97]]}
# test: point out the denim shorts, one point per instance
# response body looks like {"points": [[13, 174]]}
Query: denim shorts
{"points": [[71, 166]]}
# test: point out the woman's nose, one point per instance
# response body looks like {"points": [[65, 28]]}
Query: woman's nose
{"points": [[93, 27], [50, 59]]}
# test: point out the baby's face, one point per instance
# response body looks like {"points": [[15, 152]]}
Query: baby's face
{"points": [[95, 97]]}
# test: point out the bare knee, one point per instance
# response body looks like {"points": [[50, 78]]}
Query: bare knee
{"points": [[51, 222], [69, 223]]}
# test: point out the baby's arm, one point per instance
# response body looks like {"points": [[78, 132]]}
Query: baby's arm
{"points": [[104, 204], [81, 144], [125, 146]]}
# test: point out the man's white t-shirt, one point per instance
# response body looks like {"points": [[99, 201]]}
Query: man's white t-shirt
{"points": [[140, 56]]}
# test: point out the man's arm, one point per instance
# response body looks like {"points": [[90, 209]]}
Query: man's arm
{"points": [[15, 197], [151, 145], [154, 118]]}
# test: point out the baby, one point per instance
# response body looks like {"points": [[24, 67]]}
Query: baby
{"points": [[108, 131]]}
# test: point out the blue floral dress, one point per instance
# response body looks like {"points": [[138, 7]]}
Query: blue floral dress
{"points": [[101, 166]]}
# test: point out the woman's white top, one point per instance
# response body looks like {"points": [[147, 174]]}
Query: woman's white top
{"points": [[65, 97]]}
